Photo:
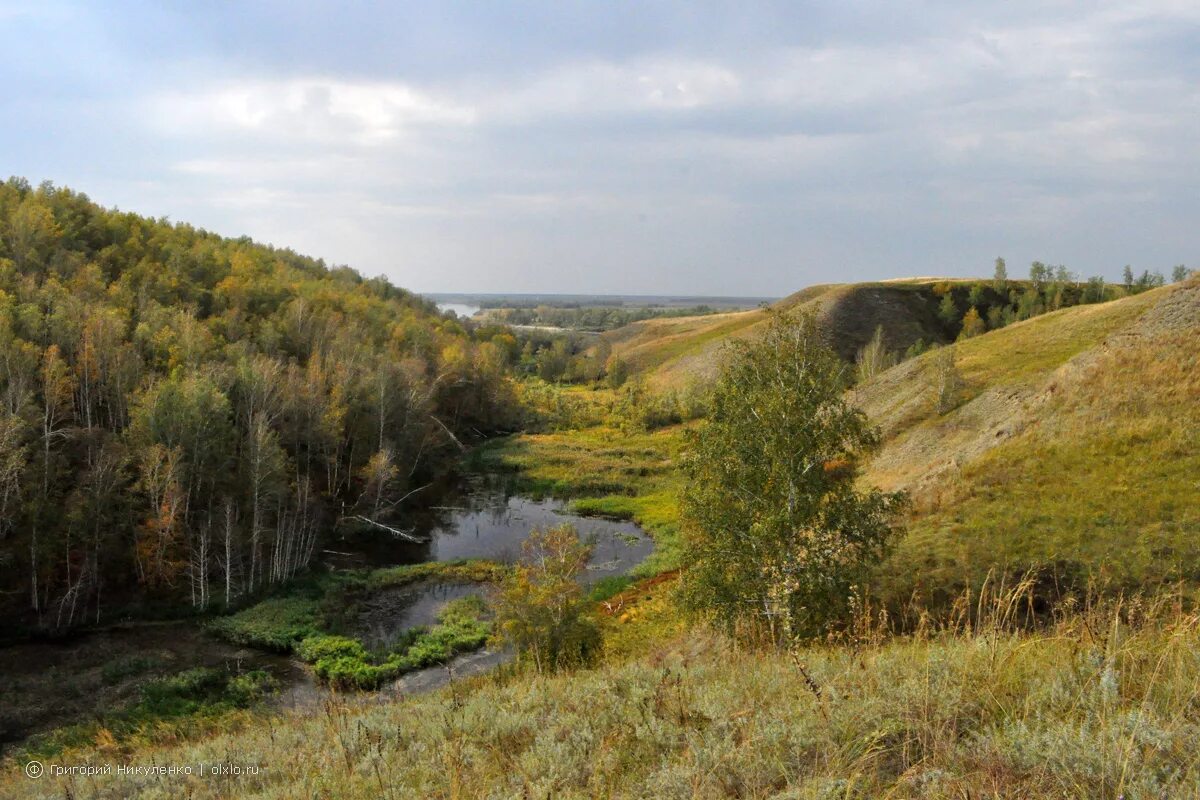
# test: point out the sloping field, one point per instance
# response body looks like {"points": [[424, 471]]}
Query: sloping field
{"points": [[1075, 447]]}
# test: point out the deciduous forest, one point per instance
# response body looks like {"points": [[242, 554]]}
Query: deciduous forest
{"points": [[182, 416]]}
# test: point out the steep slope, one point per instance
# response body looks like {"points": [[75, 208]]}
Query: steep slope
{"points": [[672, 353], [1074, 442]]}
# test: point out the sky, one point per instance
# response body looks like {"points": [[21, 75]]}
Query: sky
{"points": [[718, 148]]}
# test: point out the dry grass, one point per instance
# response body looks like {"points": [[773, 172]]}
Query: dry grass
{"points": [[1103, 702], [1104, 484]]}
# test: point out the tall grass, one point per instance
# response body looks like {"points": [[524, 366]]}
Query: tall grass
{"points": [[1099, 700]]}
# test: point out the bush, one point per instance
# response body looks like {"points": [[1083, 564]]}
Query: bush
{"points": [[541, 609], [777, 536]]}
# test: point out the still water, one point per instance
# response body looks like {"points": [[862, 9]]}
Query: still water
{"points": [[481, 519], [461, 309]]}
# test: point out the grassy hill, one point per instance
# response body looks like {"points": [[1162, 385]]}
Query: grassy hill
{"points": [[1075, 442], [670, 353], [1092, 707]]}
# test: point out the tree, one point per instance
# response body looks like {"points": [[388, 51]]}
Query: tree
{"points": [[948, 309], [1127, 279], [948, 381], [616, 372], [874, 357], [778, 537], [1039, 273], [1000, 277], [540, 606], [1095, 291], [973, 324], [1179, 273], [975, 297]]}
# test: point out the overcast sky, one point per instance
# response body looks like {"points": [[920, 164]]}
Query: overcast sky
{"points": [[702, 148]]}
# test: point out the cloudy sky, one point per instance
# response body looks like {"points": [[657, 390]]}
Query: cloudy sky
{"points": [[725, 148]]}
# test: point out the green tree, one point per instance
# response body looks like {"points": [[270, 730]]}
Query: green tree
{"points": [[1094, 291], [1039, 273], [541, 610], [948, 310], [1000, 277], [777, 534], [1127, 278], [616, 372], [975, 297], [1179, 273]]}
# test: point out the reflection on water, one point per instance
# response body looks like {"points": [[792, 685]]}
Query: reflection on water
{"points": [[389, 613], [485, 521], [471, 519]]}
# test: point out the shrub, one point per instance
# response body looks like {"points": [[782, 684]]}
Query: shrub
{"points": [[540, 609]]}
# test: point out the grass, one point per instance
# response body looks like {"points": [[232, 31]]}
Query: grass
{"points": [[1104, 485], [1030, 349], [1102, 703], [276, 624], [605, 472], [310, 626], [186, 703], [344, 662]]}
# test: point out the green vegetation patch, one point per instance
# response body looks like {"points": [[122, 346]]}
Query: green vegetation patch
{"points": [[312, 627], [275, 624], [606, 472], [345, 663]]}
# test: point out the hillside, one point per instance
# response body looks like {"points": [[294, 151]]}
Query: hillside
{"points": [[672, 353], [184, 416], [1073, 443], [1088, 708], [1068, 441]]}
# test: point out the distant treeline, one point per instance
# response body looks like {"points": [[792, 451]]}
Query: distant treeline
{"points": [[968, 309], [183, 416], [589, 318]]}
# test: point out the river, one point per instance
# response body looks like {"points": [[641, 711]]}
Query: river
{"points": [[49, 684]]}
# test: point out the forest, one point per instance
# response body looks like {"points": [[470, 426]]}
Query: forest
{"points": [[182, 416]]}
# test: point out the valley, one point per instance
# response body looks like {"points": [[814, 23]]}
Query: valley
{"points": [[456, 557]]}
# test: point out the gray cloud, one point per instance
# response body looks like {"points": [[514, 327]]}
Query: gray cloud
{"points": [[648, 147]]}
